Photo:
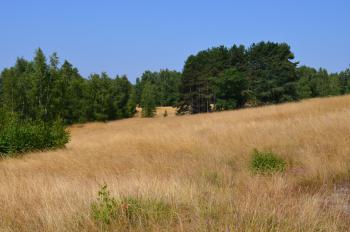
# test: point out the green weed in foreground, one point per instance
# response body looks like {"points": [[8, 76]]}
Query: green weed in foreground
{"points": [[129, 211], [105, 209]]}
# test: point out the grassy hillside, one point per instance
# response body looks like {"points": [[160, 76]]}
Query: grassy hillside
{"points": [[191, 173]]}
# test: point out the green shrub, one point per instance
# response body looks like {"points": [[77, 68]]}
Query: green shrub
{"points": [[266, 162], [19, 136], [105, 209], [58, 135]]}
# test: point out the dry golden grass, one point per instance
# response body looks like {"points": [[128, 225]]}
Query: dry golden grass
{"points": [[199, 166], [171, 111]]}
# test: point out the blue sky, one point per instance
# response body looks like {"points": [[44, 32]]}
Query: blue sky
{"points": [[130, 36]]}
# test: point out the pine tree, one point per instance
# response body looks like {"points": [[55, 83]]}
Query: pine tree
{"points": [[196, 83], [131, 104], [344, 81], [271, 72], [41, 82], [148, 103], [121, 93], [230, 88]]}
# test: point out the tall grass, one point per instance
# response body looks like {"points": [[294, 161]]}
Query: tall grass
{"points": [[193, 169]]}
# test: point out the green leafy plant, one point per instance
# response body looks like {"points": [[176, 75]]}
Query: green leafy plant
{"points": [[128, 211], [266, 162], [105, 209]]}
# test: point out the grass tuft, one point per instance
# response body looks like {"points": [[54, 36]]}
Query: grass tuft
{"points": [[129, 211], [266, 162]]}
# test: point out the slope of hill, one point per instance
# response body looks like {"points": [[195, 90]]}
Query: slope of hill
{"points": [[191, 173]]}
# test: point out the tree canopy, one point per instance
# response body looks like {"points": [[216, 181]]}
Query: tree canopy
{"points": [[46, 91], [222, 78]]}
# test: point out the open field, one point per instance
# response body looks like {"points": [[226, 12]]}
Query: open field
{"points": [[197, 168], [171, 111]]}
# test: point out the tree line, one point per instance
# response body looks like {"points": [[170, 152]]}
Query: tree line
{"points": [[42, 90], [39, 97], [222, 78]]}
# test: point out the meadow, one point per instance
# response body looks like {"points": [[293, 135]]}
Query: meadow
{"points": [[190, 173]]}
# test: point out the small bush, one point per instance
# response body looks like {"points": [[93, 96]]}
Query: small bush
{"points": [[58, 135], [266, 162], [105, 209], [18, 136], [129, 211]]}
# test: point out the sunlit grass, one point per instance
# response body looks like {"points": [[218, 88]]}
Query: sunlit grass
{"points": [[194, 169]]}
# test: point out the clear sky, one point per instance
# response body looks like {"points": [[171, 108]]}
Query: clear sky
{"points": [[130, 36]]}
